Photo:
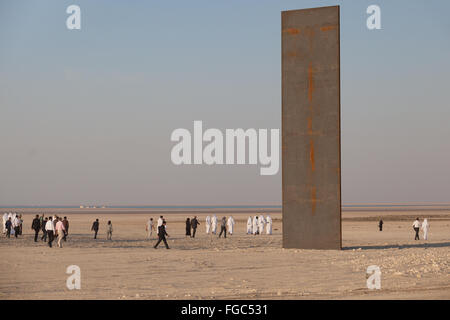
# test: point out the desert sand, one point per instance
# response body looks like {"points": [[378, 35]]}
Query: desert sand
{"points": [[238, 267]]}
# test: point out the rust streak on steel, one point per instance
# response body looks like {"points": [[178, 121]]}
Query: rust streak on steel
{"points": [[310, 82], [292, 31], [327, 28]]}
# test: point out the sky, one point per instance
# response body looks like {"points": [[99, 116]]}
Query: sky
{"points": [[86, 115]]}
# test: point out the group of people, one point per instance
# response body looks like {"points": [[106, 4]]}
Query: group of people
{"points": [[191, 225], [160, 229], [425, 226], [50, 227], [226, 225], [256, 225], [12, 224], [416, 227], [96, 226]]}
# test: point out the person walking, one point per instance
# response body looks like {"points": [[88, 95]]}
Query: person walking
{"points": [[66, 228], [94, 228], [109, 230], [36, 226], [416, 226], [44, 232], [223, 227], [249, 225], [16, 226], [214, 224], [149, 228], [269, 225], [425, 227], [59, 228], [194, 225], [188, 227], [230, 224], [8, 226], [159, 224], [20, 224], [50, 229], [5, 218], [162, 235], [208, 224], [380, 225]]}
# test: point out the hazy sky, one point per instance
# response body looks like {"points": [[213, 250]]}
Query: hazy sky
{"points": [[86, 115]]}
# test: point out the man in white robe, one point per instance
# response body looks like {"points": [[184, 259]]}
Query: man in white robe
{"points": [[425, 227], [149, 228], [261, 224], [255, 225], [16, 226], [249, 225], [208, 224], [5, 218], [214, 224], [268, 225], [230, 224]]}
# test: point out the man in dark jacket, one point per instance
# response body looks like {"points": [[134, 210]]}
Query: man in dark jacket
{"points": [[65, 223], [44, 236], [8, 226], [162, 235], [194, 224], [223, 227], [36, 226], [95, 228]]}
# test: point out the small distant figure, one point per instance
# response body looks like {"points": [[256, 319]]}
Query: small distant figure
{"points": [[65, 223], [41, 220], [59, 228], [20, 224], [208, 224], [5, 218], [261, 224], [16, 226], [50, 229], [188, 227], [425, 227], [223, 227], [8, 227], [214, 224], [194, 225], [109, 230], [55, 220], [162, 235], [36, 226], [249, 225], [268, 225], [44, 235], [149, 228], [230, 225], [255, 225], [160, 223], [416, 226], [94, 228], [380, 225]]}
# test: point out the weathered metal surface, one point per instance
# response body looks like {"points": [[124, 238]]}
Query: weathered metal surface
{"points": [[311, 128]]}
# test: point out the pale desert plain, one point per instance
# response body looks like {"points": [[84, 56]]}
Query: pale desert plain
{"points": [[239, 267]]}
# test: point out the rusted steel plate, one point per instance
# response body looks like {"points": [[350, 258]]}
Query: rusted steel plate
{"points": [[311, 128]]}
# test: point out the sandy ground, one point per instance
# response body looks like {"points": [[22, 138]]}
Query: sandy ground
{"points": [[239, 267]]}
